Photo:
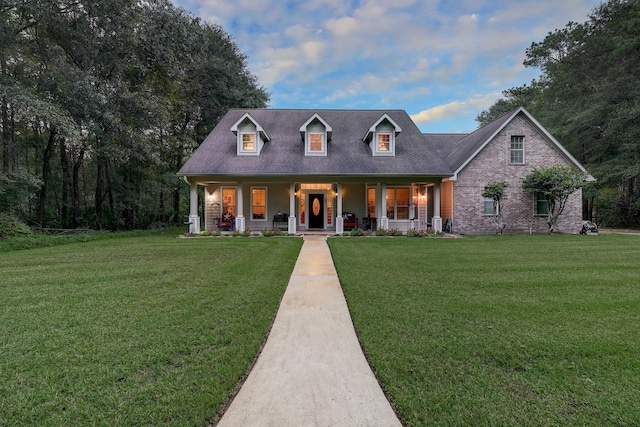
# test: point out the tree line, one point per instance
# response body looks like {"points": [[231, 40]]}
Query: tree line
{"points": [[588, 97], [100, 104]]}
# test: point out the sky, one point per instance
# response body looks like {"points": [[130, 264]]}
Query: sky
{"points": [[442, 61]]}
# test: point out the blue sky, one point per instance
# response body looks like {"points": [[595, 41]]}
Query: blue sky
{"points": [[441, 61]]}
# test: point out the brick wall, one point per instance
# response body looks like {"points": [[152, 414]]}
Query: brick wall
{"points": [[492, 164]]}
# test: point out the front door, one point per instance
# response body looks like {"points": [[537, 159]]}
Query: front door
{"points": [[316, 210]]}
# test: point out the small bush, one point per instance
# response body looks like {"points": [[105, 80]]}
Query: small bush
{"points": [[356, 232], [396, 232], [416, 233], [245, 233], [273, 232], [10, 226], [381, 232]]}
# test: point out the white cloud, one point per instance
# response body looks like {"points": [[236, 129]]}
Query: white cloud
{"points": [[474, 104], [380, 52]]}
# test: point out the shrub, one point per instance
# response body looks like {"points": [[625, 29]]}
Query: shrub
{"points": [[356, 232], [273, 232], [396, 232], [10, 226], [245, 233], [416, 233], [381, 232]]}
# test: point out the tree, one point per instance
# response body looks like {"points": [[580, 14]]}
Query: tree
{"points": [[496, 192], [588, 97], [556, 184], [101, 102]]}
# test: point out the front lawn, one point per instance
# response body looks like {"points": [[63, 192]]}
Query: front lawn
{"points": [[138, 330], [489, 330]]}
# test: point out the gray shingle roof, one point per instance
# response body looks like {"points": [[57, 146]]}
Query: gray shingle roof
{"points": [[416, 154], [347, 153], [462, 149]]}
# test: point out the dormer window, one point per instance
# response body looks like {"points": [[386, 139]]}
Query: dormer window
{"points": [[248, 141], [384, 142], [316, 142], [251, 136], [315, 133], [381, 136]]}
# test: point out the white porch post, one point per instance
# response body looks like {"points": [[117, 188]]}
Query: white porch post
{"points": [[240, 214], [437, 220], [384, 221], [292, 208], [425, 206], [339, 219], [194, 219]]}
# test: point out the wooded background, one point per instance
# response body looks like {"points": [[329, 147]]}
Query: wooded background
{"points": [[102, 102]]}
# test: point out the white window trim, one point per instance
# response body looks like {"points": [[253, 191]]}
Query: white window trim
{"points": [[241, 143], [261, 136], [486, 200], [511, 150], [392, 144], [395, 204], [307, 147], [266, 209], [222, 202]]}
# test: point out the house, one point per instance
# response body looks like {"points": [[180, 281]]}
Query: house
{"points": [[316, 169]]}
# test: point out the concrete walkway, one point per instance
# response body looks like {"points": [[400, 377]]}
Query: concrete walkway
{"points": [[311, 371]]}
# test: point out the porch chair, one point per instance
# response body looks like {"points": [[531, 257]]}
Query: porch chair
{"points": [[349, 221], [226, 222]]}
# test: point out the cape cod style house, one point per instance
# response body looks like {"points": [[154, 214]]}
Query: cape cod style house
{"points": [[337, 169]]}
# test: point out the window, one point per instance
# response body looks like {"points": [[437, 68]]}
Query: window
{"points": [[248, 142], [259, 203], [250, 136], [381, 136], [517, 150], [371, 202], [398, 203], [228, 203], [316, 135], [487, 208], [542, 207], [384, 142], [316, 142]]}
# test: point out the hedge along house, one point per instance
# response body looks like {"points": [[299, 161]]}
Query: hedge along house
{"points": [[327, 169]]}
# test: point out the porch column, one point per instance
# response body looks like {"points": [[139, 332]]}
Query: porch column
{"points": [[384, 221], [194, 219], [436, 220], [292, 208], [339, 219], [240, 214]]}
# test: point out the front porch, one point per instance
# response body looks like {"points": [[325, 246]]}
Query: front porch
{"points": [[331, 206]]}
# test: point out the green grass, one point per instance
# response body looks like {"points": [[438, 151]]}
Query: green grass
{"points": [[490, 330], [138, 330]]}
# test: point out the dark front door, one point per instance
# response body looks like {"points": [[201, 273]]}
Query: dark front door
{"points": [[316, 210]]}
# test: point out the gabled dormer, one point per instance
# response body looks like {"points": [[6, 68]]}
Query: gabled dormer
{"points": [[315, 133], [250, 136], [381, 136]]}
